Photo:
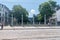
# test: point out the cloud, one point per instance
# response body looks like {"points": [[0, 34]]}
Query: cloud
{"points": [[32, 11]]}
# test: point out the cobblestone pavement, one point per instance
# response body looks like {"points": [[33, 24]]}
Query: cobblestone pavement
{"points": [[30, 34]]}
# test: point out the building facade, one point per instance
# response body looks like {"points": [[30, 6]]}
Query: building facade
{"points": [[4, 14], [55, 19]]}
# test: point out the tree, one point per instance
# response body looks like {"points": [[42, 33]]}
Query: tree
{"points": [[54, 5], [39, 17], [47, 8], [18, 11]]}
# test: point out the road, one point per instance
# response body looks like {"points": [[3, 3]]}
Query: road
{"points": [[30, 34]]}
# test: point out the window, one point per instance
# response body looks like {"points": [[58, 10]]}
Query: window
{"points": [[5, 13], [0, 8], [0, 14]]}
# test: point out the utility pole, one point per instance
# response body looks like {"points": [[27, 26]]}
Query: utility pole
{"points": [[22, 19], [45, 19]]}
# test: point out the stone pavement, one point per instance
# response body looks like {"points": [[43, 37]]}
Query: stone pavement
{"points": [[30, 27], [30, 33]]}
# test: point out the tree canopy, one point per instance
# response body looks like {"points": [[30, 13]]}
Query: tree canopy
{"points": [[18, 11], [47, 8]]}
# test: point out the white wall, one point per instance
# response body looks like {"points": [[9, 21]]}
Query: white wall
{"points": [[58, 15]]}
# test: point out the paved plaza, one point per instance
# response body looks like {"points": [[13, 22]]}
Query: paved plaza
{"points": [[30, 33]]}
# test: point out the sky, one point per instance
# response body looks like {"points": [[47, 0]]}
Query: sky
{"points": [[30, 5]]}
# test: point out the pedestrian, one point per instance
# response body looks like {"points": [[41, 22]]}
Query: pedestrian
{"points": [[1, 26]]}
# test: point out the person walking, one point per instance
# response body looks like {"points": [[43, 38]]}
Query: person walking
{"points": [[1, 26]]}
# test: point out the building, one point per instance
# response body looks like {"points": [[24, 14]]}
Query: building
{"points": [[55, 19], [4, 14]]}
